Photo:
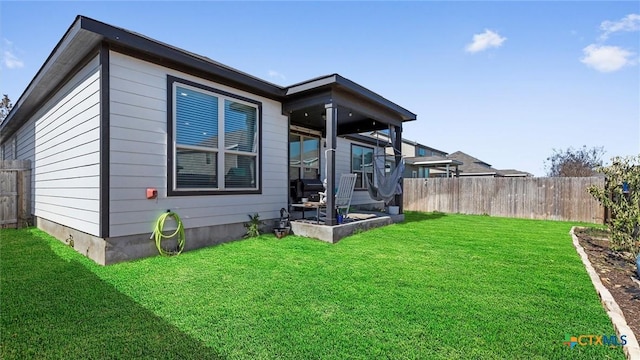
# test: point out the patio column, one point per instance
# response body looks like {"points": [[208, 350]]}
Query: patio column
{"points": [[397, 144], [331, 125]]}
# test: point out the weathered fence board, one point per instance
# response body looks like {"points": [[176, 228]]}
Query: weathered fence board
{"points": [[15, 193], [8, 198], [531, 198]]}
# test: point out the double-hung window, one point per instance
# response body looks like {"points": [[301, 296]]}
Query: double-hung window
{"points": [[214, 141], [362, 164]]}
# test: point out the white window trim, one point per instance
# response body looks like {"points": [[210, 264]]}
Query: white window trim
{"points": [[220, 151]]}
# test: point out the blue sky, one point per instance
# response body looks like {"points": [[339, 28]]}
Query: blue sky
{"points": [[506, 82]]}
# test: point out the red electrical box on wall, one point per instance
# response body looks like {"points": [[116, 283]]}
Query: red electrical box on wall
{"points": [[152, 193]]}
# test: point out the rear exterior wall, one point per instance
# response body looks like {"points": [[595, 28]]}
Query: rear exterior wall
{"points": [[62, 140], [138, 157]]}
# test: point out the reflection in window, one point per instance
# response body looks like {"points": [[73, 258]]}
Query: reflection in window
{"points": [[196, 169], [304, 157], [362, 164], [205, 158]]}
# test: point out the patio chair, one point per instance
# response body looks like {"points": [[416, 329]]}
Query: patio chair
{"points": [[343, 194]]}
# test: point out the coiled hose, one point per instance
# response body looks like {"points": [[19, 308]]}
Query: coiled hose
{"points": [[159, 236]]}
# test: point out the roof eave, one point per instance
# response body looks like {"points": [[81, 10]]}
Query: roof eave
{"points": [[86, 34], [337, 81], [59, 62], [168, 52], [83, 37]]}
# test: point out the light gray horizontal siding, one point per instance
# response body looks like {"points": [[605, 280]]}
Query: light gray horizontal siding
{"points": [[26, 140], [8, 149], [62, 141], [69, 192], [139, 155]]}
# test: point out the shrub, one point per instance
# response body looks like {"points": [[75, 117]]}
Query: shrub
{"points": [[621, 195], [253, 226]]}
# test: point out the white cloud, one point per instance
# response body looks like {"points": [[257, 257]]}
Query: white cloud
{"points": [[9, 58], [487, 39], [606, 58], [630, 22], [11, 61], [275, 74]]}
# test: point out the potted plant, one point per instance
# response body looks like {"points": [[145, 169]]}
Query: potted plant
{"points": [[281, 232]]}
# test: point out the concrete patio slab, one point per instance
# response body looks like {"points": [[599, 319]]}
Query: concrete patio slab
{"points": [[333, 234]]}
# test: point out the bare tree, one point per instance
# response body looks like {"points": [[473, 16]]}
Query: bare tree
{"points": [[574, 162], [5, 107]]}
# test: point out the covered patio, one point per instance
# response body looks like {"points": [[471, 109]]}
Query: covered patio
{"points": [[338, 107]]}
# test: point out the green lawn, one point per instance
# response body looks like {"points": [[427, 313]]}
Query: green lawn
{"points": [[436, 286]]}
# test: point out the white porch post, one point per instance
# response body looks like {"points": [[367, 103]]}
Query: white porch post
{"points": [[331, 124]]}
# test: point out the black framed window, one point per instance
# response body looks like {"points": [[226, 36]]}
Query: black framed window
{"points": [[214, 141], [362, 164]]}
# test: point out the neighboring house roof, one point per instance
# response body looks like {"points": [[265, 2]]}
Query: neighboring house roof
{"points": [[381, 138], [85, 36], [385, 137], [431, 160], [513, 173], [472, 166], [468, 159], [417, 144]]}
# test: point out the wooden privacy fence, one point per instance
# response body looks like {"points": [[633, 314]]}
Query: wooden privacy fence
{"points": [[531, 198], [15, 193]]}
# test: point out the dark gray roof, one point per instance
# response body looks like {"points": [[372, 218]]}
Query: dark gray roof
{"points": [[336, 80], [471, 165], [86, 35]]}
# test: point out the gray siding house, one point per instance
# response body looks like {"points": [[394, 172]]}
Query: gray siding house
{"points": [[112, 113]]}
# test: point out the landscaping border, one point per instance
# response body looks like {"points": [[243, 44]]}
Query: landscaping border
{"points": [[631, 349]]}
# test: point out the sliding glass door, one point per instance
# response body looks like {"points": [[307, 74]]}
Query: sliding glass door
{"points": [[304, 160]]}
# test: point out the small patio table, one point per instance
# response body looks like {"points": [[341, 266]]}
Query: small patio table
{"points": [[310, 205]]}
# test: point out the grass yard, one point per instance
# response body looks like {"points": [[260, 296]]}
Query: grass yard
{"points": [[437, 286]]}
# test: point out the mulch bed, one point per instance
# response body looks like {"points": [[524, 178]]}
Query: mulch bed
{"points": [[617, 272]]}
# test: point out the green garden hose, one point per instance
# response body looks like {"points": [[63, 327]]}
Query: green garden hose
{"points": [[159, 236]]}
